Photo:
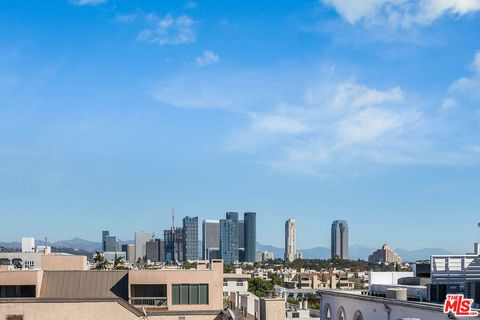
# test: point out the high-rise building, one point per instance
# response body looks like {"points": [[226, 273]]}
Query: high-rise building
{"points": [[250, 238], [190, 238], [267, 256], [339, 239], [130, 252], [241, 240], [290, 240], [384, 255], [229, 238], [173, 244], [105, 234], [211, 239], [111, 244], [141, 239], [155, 250]]}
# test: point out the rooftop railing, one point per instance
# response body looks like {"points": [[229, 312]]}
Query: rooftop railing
{"points": [[159, 302]]}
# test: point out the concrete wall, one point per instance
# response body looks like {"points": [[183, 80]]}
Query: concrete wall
{"points": [[272, 309]]}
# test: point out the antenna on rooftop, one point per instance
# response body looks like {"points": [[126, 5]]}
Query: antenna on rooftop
{"points": [[173, 218]]}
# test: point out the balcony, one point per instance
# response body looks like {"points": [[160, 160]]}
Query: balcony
{"points": [[149, 295], [149, 302]]}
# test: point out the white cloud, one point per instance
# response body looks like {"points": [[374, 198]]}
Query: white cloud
{"points": [[126, 18], [169, 30], [469, 86], [349, 127], [337, 125], [277, 124], [88, 2], [448, 104], [372, 124], [401, 12], [208, 57], [476, 63], [353, 95], [190, 5]]}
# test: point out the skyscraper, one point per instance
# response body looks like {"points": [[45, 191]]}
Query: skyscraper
{"points": [[173, 244], [190, 238], [340, 239], [250, 238], [141, 239], [229, 238], [105, 234], [211, 239], [111, 244], [241, 240], [155, 250], [290, 240]]}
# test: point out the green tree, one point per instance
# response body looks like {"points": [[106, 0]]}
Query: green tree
{"points": [[260, 287], [276, 279], [100, 262], [118, 263]]}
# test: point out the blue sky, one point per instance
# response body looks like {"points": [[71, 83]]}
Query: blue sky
{"points": [[113, 112]]}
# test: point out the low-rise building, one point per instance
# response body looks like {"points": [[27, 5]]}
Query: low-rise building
{"points": [[235, 282], [133, 294], [38, 260], [346, 305]]}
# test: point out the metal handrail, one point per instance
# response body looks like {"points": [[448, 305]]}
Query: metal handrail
{"points": [[149, 301]]}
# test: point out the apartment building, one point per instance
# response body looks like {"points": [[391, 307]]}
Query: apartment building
{"points": [[133, 294]]}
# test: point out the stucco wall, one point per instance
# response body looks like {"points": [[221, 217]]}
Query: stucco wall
{"points": [[212, 277], [64, 262], [67, 311]]}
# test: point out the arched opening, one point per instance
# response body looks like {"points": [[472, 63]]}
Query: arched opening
{"points": [[341, 314], [358, 315], [327, 314]]}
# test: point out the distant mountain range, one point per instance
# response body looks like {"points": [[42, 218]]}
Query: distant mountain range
{"points": [[356, 251]]}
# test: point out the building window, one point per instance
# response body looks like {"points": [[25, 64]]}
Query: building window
{"points": [[358, 315], [149, 290], [190, 294], [24, 291], [239, 283], [15, 317], [328, 312], [341, 314], [154, 295], [225, 283]]}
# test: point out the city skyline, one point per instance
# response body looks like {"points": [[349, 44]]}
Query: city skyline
{"points": [[113, 112], [278, 244]]}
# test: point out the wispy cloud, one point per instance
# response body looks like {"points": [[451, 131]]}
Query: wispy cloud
{"points": [[88, 2], [469, 85], [208, 57], [168, 30], [347, 125], [403, 13], [190, 5], [126, 18]]}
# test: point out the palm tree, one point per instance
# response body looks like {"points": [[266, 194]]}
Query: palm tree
{"points": [[118, 263], [100, 261]]}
